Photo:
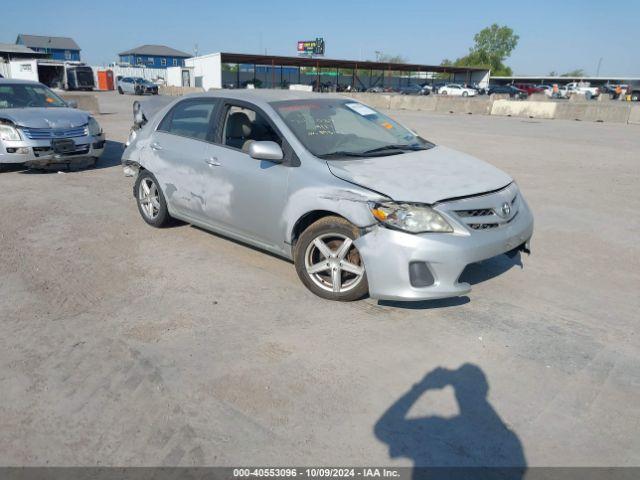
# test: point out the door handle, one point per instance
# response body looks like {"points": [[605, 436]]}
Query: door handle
{"points": [[213, 162], [155, 146]]}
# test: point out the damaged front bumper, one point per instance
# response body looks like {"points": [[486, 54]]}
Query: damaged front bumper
{"points": [[404, 266], [41, 153]]}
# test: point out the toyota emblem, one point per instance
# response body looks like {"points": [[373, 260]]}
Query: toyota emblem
{"points": [[505, 210]]}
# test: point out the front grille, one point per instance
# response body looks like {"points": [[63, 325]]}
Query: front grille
{"points": [[482, 212], [44, 151], [486, 212], [50, 133], [483, 226]]}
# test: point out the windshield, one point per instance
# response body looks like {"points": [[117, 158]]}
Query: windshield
{"points": [[341, 128], [142, 81], [18, 95]]}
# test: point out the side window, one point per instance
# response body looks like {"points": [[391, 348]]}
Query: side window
{"points": [[243, 125], [189, 118]]}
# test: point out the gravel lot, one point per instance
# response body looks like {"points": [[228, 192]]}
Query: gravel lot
{"points": [[121, 344]]}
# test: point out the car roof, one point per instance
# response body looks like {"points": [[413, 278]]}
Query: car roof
{"points": [[265, 96], [14, 81]]}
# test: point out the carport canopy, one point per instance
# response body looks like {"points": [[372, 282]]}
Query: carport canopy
{"points": [[275, 60]]}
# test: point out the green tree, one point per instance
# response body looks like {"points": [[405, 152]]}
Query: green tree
{"points": [[579, 72], [495, 42], [493, 45], [384, 57], [387, 58]]}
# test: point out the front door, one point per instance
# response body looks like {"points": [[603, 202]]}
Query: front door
{"points": [[246, 196]]}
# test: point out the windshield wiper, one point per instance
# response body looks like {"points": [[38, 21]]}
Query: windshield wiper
{"points": [[340, 153], [384, 150], [400, 146]]}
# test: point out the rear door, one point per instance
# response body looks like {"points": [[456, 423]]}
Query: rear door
{"points": [[178, 155]]}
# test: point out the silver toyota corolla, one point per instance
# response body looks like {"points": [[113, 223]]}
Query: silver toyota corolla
{"points": [[38, 128], [360, 203]]}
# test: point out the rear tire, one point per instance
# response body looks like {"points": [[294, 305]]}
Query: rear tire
{"points": [[150, 199], [328, 263], [120, 91], [465, 94]]}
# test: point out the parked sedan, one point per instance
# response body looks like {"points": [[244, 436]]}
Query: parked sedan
{"points": [[413, 90], [360, 203], [529, 88], [39, 129], [510, 90], [136, 86], [455, 89]]}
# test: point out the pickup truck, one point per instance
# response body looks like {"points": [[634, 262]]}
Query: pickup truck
{"points": [[633, 90], [579, 88]]}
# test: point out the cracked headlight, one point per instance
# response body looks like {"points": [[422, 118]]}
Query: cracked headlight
{"points": [[9, 132], [410, 218], [94, 127]]}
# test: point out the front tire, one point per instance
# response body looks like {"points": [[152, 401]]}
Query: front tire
{"points": [[465, 94], [327, 261], [150, 199]]}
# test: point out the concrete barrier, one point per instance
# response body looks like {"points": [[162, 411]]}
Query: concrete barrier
{"points": [[413, 102], [85, 102], [467, 105], [593, 112], [634, 114], [524, 108], [577, 97], [178, 91], [539, 97], [376, 100], [583, 110]]}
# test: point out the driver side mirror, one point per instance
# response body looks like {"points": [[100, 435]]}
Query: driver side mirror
{"points": [[266, 150], [72, 103]]}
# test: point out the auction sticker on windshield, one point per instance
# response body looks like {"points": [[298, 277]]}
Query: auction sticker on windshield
{"points": [[361, 109]]}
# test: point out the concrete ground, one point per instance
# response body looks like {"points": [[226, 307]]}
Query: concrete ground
{"points": [[121, 344]]}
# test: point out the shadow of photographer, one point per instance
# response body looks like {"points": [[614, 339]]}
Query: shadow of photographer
{"points": [[476, 439]]}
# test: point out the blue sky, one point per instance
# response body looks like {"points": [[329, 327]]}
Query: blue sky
{"points": [[556, 35]]}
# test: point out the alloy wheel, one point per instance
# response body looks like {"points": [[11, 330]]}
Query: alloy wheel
{"points": [[333, 263], [149, 198]]}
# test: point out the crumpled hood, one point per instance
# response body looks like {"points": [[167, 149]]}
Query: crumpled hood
{"points": [[425, 176], [58, 117]]}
